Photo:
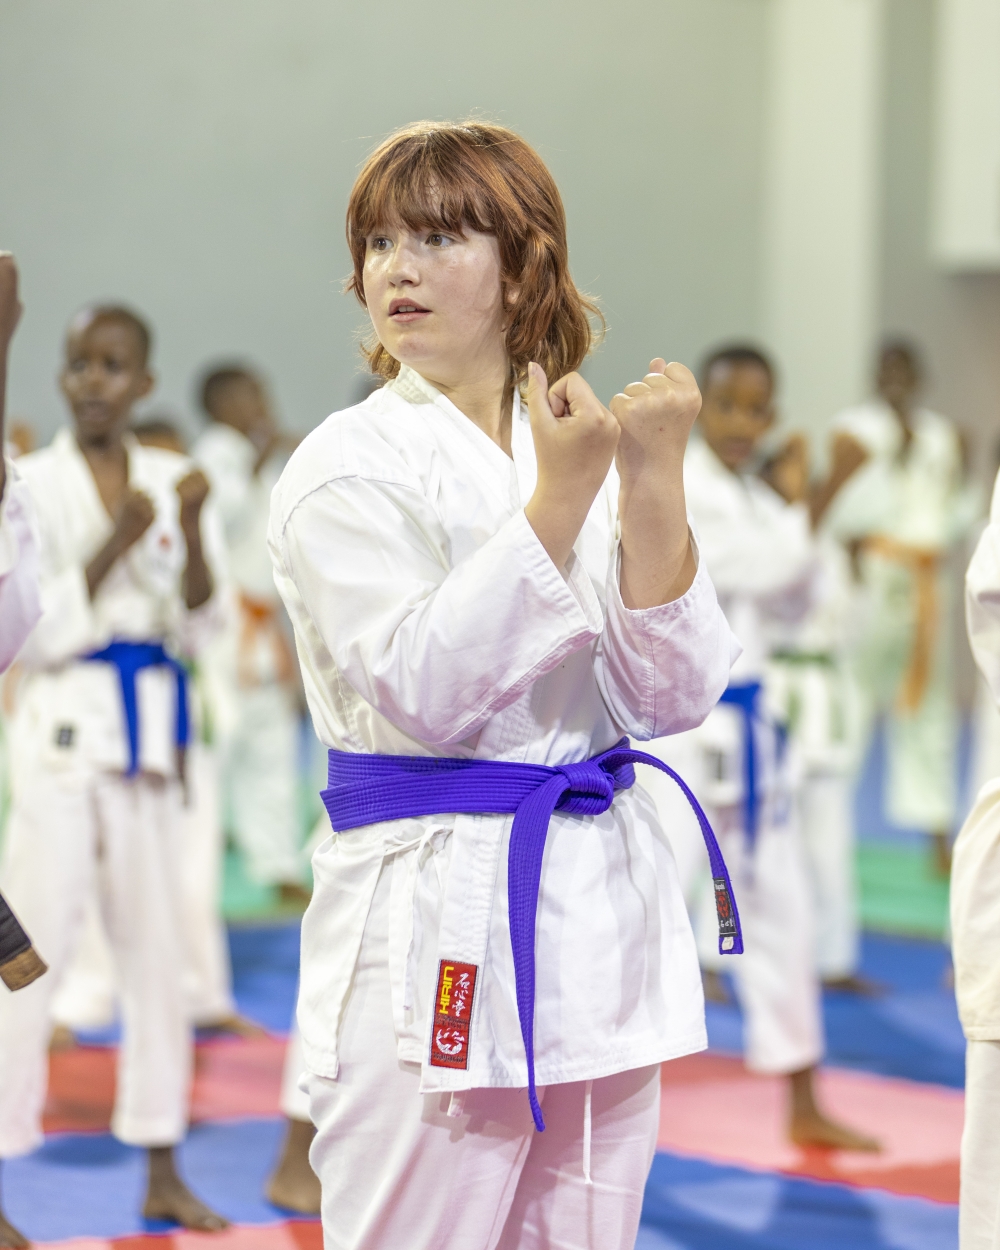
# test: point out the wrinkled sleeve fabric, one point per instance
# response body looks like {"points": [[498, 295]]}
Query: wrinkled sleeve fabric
{"points": [[20, 603], [435, 649], [661, 670], [982, 599]]}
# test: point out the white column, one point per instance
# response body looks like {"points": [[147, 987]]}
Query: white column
{"points": [[966, 193], [821, 202]]}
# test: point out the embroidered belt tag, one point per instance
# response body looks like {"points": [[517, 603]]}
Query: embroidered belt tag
{"points": [[456, 988], [724, 910]]}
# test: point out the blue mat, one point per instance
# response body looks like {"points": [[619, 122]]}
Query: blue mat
{"points": [[912, 1031], [694, 1205], [91, 1185]]}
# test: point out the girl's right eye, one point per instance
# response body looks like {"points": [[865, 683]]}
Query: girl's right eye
{"points": [[380, 243]]}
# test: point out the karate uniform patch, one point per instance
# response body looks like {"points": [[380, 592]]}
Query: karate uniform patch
{"points": [[725, 912], [456, 989]]}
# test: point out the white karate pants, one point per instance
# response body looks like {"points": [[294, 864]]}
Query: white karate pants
{"points": [[775, 977], [294, 1099], [826, 807], [262, 782], [63, 834], [398, 1171], [88, 993], [979, 1202]]}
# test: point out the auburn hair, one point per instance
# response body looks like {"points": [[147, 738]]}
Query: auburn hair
{"points": [[479, 176]]}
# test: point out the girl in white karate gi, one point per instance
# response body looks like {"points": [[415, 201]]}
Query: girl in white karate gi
{"points": [[128, 561], [478, 578], [758, 546]]}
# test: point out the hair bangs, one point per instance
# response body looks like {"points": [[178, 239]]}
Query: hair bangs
{"points": [[483, 177]]}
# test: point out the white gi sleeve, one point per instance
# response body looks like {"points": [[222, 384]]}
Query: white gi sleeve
{"points": [[435, 649], [982, 598], [661, 670], [20, 606]]}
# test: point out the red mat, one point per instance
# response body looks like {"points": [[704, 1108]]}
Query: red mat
{"points": [[234, 1077], [294, 1236], [714, 1109]]}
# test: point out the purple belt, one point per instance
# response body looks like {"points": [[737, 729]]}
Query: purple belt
{"points": [[369, 789]]}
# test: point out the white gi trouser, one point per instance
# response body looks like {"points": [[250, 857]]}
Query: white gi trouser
{"points": [[979, 1210], [775, 977], [467, 1171], [294, 1099], [826, 802], [262, 778], [63, 833], [86, 997]]}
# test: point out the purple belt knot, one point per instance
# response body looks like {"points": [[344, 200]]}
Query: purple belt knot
{"points": [[369, 789]]}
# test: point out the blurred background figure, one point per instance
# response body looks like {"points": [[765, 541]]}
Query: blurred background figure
{"points": [[243, 450], [901, 516]]}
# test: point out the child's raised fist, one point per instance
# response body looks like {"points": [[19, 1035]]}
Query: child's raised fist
{"points": [[655, 416], [10, 305]]}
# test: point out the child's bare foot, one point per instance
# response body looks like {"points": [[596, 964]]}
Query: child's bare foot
{"points": [[237, 1025], [61, 1038], [10, 1237], [808, 1126], [855, 984], [941, 854], [293, 1184], [293, 894], [817, 1130], [715, 987], [168, 1198]]}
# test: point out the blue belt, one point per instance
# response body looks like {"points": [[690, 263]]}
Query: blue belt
{"points": [[368, 789], [129, 658], [745, 697]]}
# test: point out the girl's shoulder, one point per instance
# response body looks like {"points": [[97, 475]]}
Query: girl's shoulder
{"points": [[382, 439]]}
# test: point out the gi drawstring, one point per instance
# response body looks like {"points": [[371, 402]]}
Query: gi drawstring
{"points": [[456, 1104], [588, 1122]]}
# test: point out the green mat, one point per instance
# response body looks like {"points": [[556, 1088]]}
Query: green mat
{"points": [[900, 893]]}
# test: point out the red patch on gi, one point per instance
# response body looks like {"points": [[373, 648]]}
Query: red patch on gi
{"points": [[456, 989]]}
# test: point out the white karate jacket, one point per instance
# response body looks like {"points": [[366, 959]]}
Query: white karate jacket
{"points": [[975, 877], [761, 556], [19, 603], [430, 621], [69, 715], [920, 500]]}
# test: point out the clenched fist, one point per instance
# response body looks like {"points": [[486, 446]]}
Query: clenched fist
{"points": [[10, 305], [193, 491], [575, 438], [655, 416], [134, 516]]}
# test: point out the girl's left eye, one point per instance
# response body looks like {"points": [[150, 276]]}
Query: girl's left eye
{"points": [[438, 240]]}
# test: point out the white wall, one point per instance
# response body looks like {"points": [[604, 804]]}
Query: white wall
{"points": [[966, 202], [819, 282], [194, 159]]}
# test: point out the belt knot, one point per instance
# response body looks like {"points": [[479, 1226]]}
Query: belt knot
{"points": [[591, 791]]}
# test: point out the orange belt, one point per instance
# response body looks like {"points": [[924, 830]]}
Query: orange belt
{"points": [[261, 617], [923, 563]]}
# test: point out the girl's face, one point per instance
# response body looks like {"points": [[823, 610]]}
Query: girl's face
{"points": [[435, 301]]}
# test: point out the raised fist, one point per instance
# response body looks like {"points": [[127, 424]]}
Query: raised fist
{"points": [[847, 455], [788, 471], [134, 516], [655, 416], [10, 305], [192, 490]]}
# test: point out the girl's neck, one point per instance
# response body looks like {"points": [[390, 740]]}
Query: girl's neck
{"points": [[486, 401]]}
